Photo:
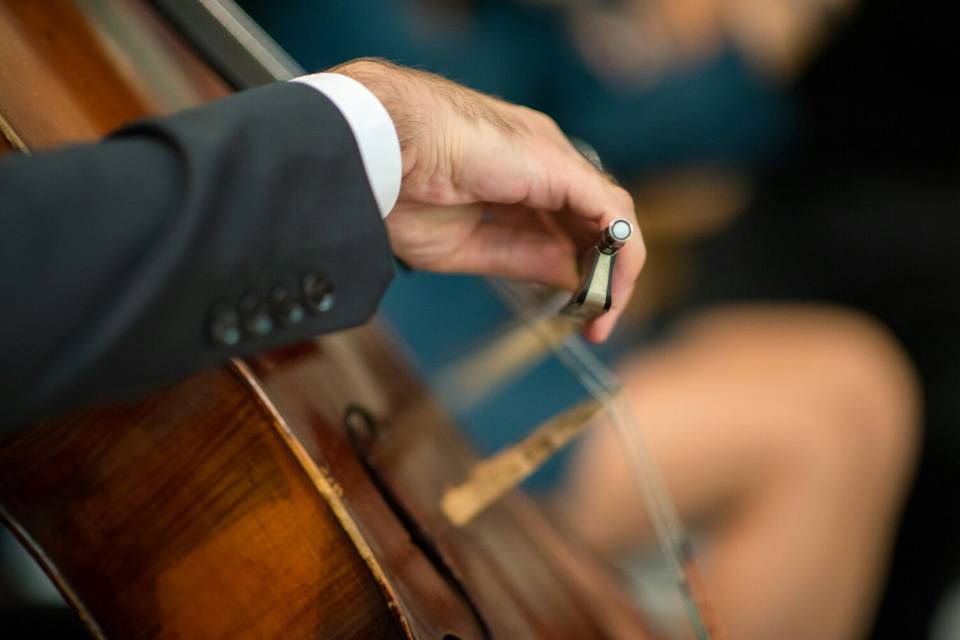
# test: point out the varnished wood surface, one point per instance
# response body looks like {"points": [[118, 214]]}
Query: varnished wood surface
{"points": [[516, 571], [184, 515], [74, 71], [233, 504]]}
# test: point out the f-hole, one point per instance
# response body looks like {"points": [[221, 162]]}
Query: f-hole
{"points": [[362, 431]]}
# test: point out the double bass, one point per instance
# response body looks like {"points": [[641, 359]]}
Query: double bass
{"points": [[294, 494]]}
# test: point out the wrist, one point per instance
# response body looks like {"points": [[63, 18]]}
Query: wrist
{"points": [[393, 86]]}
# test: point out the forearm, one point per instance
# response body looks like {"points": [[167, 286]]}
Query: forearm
{"points": [[121, 256]]}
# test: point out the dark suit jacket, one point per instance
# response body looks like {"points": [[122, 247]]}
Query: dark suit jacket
{"points": [[178, 242]]}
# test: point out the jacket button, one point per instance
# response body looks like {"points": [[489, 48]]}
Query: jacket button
{"points": [[286, 310], [317, 294], [256, 318], [224, 327], [258, 324]]}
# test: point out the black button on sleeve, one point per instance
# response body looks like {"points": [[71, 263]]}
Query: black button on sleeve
{"points": [[258, 324], [317, 294], [287, 310], [256, 316], [224, 328]]}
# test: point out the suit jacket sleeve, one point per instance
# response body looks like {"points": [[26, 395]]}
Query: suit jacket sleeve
{"points": [[176, 243]]}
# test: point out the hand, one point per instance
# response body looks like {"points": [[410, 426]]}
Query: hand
{"points": [[494, 188]]}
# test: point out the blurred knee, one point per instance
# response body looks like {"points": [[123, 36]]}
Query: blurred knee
{"points": [[872, 395], [864, 398], [852, 392]]}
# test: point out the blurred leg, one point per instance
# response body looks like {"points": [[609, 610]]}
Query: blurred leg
{"points": [[787, 435]]}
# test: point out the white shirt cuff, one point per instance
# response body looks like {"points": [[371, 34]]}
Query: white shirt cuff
{"points": [[372, 129]]}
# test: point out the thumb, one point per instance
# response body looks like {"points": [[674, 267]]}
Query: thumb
{"points": [[528, 253]]}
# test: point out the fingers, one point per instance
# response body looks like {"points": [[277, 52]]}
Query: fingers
{"points": [[583, 201], [630, 260], [518, 244], [514, 157], [600, 329], [591, 195]]}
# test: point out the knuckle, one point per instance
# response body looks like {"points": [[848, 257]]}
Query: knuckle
{"points": [[546, 122], [623, 199]]}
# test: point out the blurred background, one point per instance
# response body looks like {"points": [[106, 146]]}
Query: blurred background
{"points": [[781, 152]]}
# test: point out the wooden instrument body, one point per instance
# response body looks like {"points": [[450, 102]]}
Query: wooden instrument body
{"points": [[292, 495]]}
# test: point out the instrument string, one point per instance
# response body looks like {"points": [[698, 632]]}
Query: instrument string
{"points": [[605, 387]]}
